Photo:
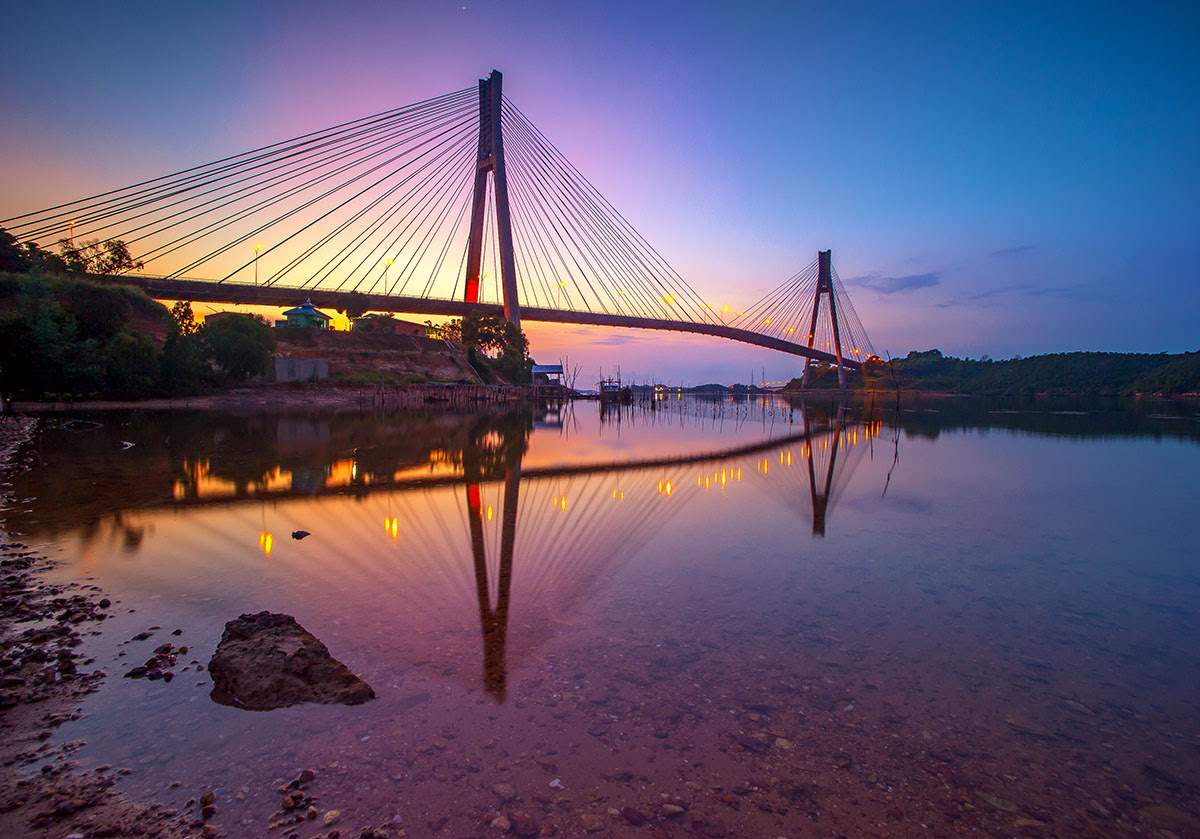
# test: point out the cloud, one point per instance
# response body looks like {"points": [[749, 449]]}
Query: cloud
{"points": [[896, 285], [1079, 291], [983, 296], [1016, 250]]}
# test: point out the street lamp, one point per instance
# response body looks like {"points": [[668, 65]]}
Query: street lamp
{"points": [[561, 285], [387, 263], [257, 248], [71, 225]]}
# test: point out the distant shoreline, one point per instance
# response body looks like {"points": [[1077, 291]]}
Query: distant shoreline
{"points": [[342, 396]]}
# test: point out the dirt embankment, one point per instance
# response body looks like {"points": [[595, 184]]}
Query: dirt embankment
{"points": [[376, 356], [42, 680]]}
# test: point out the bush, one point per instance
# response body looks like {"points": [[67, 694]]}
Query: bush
{"points": [[131, 364], [241, 345]]}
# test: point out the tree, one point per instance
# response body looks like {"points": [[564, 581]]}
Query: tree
{"points": [[12, 257], [43, 260], [96, 257], [451, 330], [183, 319], [131, 366], [241, 345], [502, 341], [35, 340], [100, 312], [356, 305]]}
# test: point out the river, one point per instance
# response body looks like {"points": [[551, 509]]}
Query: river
{"points": [[685, 618]]}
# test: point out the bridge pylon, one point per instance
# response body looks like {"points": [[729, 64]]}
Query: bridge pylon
{"points": [[490, 158], [825, 286]]}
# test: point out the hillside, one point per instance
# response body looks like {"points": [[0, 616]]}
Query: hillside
{"points": [[1066, 374]]}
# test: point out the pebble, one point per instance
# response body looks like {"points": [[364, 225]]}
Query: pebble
{"points": [[996, 801], [591, 822], [332, 817], [207, 797], [506, 792], [671, 810], [556, 784], [501, 823]]}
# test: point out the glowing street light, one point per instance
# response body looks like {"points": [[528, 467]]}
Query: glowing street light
{"points": [[257, 248], [387, 263]]}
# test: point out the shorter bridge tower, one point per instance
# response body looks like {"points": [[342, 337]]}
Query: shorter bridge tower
{"points": [[490, 158]]}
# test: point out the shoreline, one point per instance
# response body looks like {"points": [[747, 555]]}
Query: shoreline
{"points": [[417, 397], [319, 396], [42, 683]]}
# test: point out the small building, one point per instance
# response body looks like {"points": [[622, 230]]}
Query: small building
{"points": [[547, 374], [307, 316], [388, 324]]}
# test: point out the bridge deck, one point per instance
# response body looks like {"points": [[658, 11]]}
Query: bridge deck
{"points": [[242, 293]]}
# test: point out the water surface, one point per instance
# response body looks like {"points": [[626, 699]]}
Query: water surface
{"points": [[958, 617]]}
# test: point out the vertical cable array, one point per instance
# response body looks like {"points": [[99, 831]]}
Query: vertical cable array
{"points": [[364, 205], [381, 205], [577, 250]]}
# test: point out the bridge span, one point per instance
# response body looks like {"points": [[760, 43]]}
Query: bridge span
{"points": [[451, 204], [246, 294]]}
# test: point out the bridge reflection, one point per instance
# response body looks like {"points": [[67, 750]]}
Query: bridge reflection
{"points": [[826, 448], [469, 514]]}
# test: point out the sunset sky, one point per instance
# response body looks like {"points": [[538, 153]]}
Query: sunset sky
{"points": [[993, 178]]}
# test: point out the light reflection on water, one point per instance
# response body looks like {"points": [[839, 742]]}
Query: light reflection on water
{"points": [[819, 620]]}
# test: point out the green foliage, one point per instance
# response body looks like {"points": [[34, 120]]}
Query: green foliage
{"points": [[130, 366], [241, 345], [183, 370], [96, 257], [12, 256], [502, 342], [1181, 374], [356, 305], [100, 312], [182, 318], [1093, 373], [451, 330], [26, 257], [67, 337], [36, 341]]}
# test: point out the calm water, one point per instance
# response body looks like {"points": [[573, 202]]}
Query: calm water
{"points": [[963, 618]]}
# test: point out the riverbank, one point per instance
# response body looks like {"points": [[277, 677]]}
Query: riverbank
{"points": [[42, 681], [318, 396]]}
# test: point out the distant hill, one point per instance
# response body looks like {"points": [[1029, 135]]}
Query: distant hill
{"points": [[1076, 373]]}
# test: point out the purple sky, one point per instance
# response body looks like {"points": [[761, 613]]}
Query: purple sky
{"points": [[1000, 178]]}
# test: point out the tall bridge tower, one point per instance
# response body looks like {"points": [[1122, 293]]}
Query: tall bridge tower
{"points": [[825, 286], [490, 158]]}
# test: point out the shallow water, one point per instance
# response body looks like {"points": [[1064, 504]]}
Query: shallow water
{"points": [[963, 617]]}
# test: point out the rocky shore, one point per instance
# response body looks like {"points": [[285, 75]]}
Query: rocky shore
{"points": [[42, 680]]}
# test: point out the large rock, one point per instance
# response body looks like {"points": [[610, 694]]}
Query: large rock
{"points": [[268, 660]]}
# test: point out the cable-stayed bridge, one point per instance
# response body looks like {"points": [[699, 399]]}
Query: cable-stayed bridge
{"points": [[447, 205]]}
